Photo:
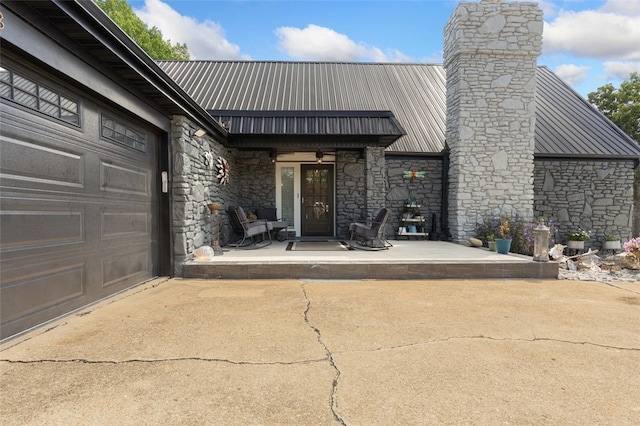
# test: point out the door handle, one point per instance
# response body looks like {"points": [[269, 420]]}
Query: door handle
{"points": [[165, 182], [326, 208]]}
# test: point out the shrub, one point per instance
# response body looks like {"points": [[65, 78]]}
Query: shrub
{"points": [[519, 229]]}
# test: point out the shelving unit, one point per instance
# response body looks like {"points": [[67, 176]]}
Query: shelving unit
{"points": [[411, 216]]}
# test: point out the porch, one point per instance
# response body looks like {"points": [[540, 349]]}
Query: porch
{"points": [[405, 260]]}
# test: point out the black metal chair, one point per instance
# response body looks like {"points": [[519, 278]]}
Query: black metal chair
{"points": [[255, 234], [371, 237]]}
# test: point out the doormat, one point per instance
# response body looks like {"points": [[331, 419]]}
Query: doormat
{"points": [[318, 246]]}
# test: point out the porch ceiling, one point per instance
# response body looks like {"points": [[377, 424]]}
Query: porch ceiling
{"points": [[309, 129]]}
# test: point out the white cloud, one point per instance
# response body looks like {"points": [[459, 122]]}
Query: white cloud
{"points": [[611, 32], [572, 74], [623, 7], [324, 44], [621, 70], [549, 8], [205, 40]]}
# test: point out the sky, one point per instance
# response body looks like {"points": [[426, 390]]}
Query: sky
{"points": [[588, 43]]}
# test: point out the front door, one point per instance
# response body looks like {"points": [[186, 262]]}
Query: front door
{"points": [[316, 200]]}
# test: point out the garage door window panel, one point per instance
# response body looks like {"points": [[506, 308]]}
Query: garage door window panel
{"points": [[116, 131], [33, 95]]}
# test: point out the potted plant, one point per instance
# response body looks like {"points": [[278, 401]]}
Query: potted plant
{"points": [[412, 201], [612, 242], [491, 242], [504, 235], [633, 246], [576, 239]]}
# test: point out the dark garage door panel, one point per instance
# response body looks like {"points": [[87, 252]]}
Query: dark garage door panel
{"points": [[78, 217]]}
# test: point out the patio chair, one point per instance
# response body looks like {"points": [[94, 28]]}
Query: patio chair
{"points": [[370, 237], [271, 216], [255, 234]]}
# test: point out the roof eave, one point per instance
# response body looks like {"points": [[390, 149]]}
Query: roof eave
{"points": [[87, 14]]}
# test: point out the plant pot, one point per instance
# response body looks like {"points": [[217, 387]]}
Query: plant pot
{"points": [[575, 245], [612, 245], [503, 245], [492, 245]]}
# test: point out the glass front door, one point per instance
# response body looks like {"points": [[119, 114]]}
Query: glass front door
{"points": [[305, 197], [317, 199]]}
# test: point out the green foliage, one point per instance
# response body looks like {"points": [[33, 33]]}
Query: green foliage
{"points": [[622, 105], [578, 235], [149, 39], [517, 228]]}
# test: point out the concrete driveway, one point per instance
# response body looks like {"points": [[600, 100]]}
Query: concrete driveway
{"points": [[182, 352]]}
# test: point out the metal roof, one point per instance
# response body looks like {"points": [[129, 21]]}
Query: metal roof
{"points": [[566, 126], [414, 93]]}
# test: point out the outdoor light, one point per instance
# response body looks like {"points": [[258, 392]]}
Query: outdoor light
{"points": [[198, 133], [319, 155], [273, 154], [541, 243]]}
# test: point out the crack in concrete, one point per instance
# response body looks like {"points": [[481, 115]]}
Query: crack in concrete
{"points": [[158, 360], [332, 399], [534, 339], [610, 284]]}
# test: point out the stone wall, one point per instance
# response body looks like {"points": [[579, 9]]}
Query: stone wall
{"points": [[255, 180], [428, 191], [194, 185], [595, 195], [490, 54], [376, 179], [350, 190], [361, 186]]}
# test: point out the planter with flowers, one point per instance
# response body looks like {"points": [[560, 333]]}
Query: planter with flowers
{"points": [[612, 242], [633, 246], [576, 239], [504, 235]]}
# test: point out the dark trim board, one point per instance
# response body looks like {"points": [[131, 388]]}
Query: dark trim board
{"points": [[379, 271]]}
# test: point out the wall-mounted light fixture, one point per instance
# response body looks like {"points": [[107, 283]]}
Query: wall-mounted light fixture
{"points": [[273, 154], [198, 133], [319, 155]]}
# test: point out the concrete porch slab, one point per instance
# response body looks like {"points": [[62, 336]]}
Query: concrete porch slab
{"points": [[405, 260]]}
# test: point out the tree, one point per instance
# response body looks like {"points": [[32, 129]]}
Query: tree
{"points": [[149, 39], [622, 106]]}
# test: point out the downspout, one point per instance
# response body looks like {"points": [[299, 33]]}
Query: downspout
{"points": [[444, 213]]}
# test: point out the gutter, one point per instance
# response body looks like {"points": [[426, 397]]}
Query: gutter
{"points": [[87, 14]]}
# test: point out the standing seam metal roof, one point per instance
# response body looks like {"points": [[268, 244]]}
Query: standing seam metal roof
{"points": [[566, 125]]}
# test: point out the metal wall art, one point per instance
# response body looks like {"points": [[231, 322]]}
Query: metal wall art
{"points": [[223, 171]]}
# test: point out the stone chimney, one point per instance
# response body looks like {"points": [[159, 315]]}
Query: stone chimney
{"points": [[490, 53]]}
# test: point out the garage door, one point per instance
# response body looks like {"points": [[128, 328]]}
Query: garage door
{"points": [[79, 204]]}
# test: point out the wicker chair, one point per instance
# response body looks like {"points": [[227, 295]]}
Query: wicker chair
{"points": [[370, 237]]}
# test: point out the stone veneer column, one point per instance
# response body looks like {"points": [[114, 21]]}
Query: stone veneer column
{"points": [[376, 175], [490, 53]]}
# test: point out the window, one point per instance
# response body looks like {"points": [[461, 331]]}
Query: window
{"points": [[121, 133], [35, 96]]}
